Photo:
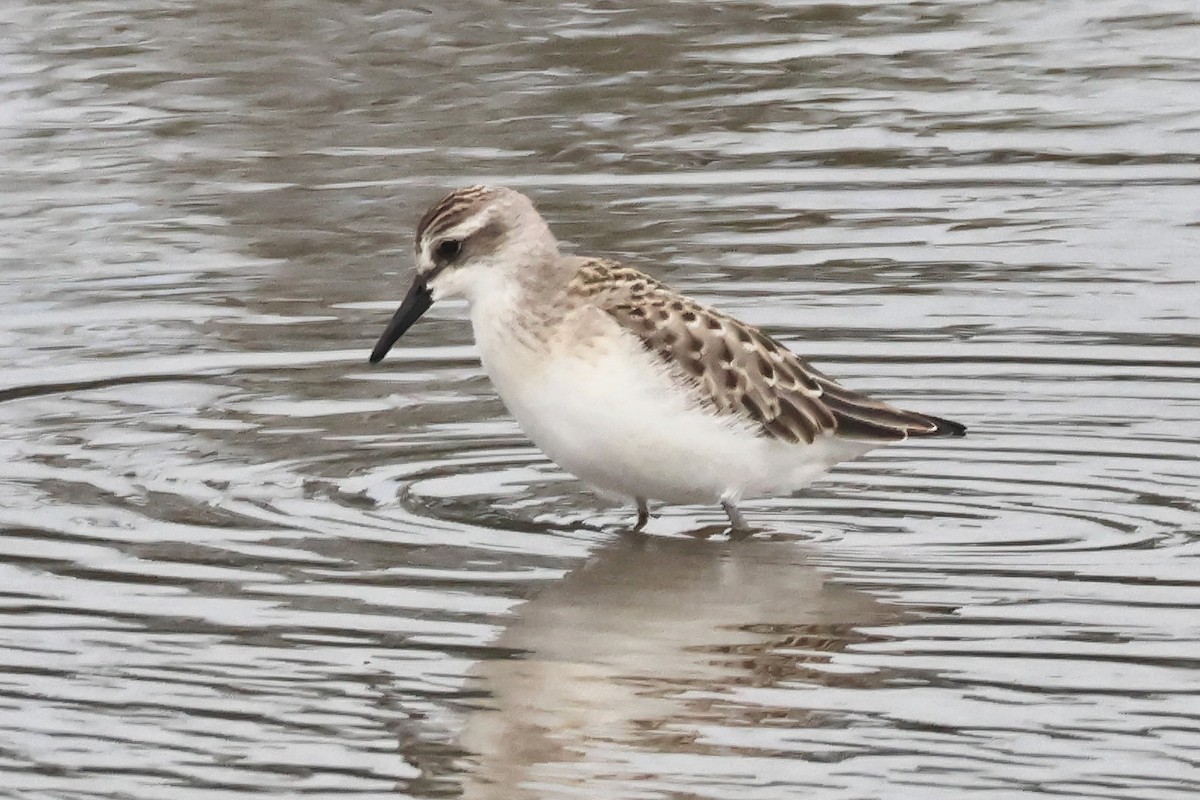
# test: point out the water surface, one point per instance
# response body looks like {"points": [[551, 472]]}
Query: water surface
{"points": [[237, 561]]}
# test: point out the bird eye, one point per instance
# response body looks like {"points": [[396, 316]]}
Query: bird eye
{"points": [[448, 249]]}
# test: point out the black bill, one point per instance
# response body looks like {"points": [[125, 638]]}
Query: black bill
{"points": [[416, 302]]}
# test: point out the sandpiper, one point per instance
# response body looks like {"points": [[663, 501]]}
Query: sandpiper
{"points": [[637, 390]]}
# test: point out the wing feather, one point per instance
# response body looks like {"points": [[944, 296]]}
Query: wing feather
{"points": [[737, 369]]}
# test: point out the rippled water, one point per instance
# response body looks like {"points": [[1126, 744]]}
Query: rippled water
{"points": [[237, 561]]}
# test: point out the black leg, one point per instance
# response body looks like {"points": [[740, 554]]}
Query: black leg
{"points": [[643, 514]]}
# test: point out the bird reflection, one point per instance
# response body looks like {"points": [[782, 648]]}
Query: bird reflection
{"points": [[631, 654]]}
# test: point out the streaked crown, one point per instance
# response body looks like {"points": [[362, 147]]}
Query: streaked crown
{"points": [[476, 222], [452, 210]]}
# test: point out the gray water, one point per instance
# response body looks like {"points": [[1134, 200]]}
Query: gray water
{"points": [[237, 561]]}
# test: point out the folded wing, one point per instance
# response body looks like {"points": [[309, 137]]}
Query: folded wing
{"points": [[737, 369]]}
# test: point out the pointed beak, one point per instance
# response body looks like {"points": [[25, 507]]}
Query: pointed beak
{"points": [[416, 302]]}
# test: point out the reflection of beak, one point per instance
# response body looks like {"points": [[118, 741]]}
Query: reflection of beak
{"points": [[416, 302]]}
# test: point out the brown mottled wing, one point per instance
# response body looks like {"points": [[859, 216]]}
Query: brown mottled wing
{"points": [[737, 369]]}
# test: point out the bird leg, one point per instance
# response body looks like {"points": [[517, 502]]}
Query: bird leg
{"points": [[738, 529], [643, 514]]}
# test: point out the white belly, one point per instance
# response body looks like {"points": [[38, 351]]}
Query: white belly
{"points": [[611, 415]]}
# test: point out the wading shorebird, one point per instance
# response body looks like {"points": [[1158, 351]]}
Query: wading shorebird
{"points": [[635, 389]]}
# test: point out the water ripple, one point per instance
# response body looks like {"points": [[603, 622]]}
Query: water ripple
{"points": [[235, 560]]}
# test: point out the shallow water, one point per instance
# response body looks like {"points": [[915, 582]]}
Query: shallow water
{"points": [[236, 561]]}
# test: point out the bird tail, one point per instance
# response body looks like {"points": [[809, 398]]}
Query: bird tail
{"points": [[942, 427], [867, 419]]}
